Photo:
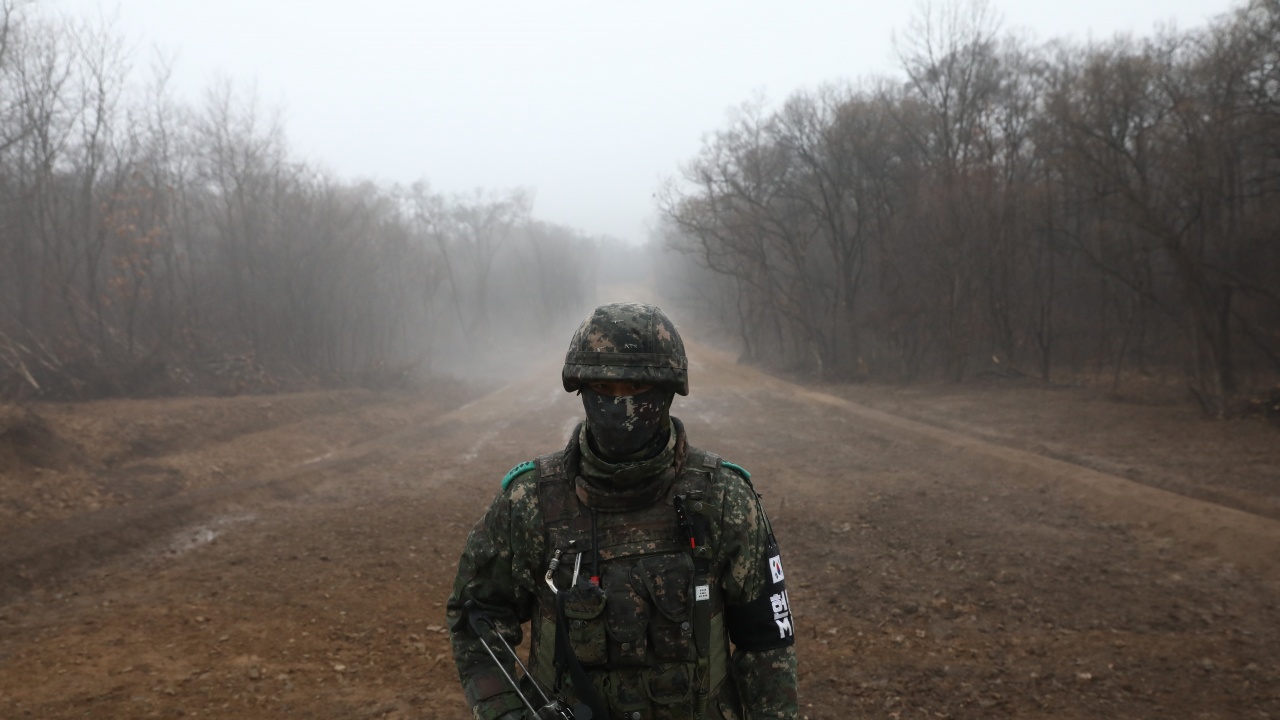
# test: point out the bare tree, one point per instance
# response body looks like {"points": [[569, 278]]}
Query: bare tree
{"points": [[1108, 208]]}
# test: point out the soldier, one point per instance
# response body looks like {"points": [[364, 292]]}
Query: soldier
{"points": [[646, 567]]}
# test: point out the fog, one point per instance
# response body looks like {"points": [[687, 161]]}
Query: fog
{"points": [[1100, 213], [242, 195], [589, 105]]}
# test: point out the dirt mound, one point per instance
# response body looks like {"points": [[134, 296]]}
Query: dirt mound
{"points": [[1266, 405], [27, 441], [60, 460]]}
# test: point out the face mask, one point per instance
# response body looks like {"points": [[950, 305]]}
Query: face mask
{"points": [[621, 426]]}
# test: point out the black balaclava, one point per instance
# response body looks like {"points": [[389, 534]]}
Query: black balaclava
{"points": [[622, 427]]}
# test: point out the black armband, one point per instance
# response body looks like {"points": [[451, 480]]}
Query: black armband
{"points": [[764, 623]]}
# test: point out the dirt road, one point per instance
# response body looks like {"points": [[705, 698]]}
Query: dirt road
{"points": [[942, 566]]}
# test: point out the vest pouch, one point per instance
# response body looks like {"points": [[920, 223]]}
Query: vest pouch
{"points": [[668, 581], [626, 618], [726, 705], [627, 696], [583, 607], [671, 690], [726, 711]]}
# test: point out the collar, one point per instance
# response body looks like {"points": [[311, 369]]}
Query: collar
{"points": [[626, 486]]}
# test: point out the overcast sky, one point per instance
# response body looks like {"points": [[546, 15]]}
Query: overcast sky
{"points": [[590, 104]]}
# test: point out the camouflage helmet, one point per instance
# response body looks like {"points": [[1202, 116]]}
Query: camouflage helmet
{"points": [[629, 342]]}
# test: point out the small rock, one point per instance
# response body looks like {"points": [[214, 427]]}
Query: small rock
{"points": [[255, 673]]}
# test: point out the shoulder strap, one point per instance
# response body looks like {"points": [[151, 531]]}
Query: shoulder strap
{"points": [[555, 491], [700, 479], [710, 460]]}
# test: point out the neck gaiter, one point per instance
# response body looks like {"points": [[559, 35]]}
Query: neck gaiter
{"points": [[622, 426]]}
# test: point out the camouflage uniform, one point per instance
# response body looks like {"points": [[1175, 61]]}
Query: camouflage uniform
{"points": [[679, 610]]}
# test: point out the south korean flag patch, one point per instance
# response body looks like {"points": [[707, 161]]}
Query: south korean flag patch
{"points": [[764, 623], [775, 569]]}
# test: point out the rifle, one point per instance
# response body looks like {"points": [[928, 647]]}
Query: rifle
{"points": [[552, 709]]}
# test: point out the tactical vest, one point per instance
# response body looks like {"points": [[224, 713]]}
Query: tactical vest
{"points": [[650, 650]]}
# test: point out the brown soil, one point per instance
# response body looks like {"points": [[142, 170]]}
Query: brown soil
{"points": [[993, 550]]}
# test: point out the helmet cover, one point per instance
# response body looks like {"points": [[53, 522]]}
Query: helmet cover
{"points": [[628, 342]]}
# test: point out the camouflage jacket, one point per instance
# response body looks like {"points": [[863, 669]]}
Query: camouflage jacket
{"points": [[748, 662]]}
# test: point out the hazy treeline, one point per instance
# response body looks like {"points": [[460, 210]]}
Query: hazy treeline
{"points": [[147, 245], [1104, 208]]}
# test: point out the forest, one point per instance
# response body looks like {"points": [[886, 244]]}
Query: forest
{"points": [[1104, 211], [149, 246]]}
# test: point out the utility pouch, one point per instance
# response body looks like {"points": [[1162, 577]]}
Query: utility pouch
{"points": [[626, 618], [671, 689], [725, 712], [668, 580], [627, 697], [583, 607], [726, 705]]}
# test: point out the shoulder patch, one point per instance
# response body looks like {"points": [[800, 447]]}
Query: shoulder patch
{"points": [[511, 474], [736, 468]]}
